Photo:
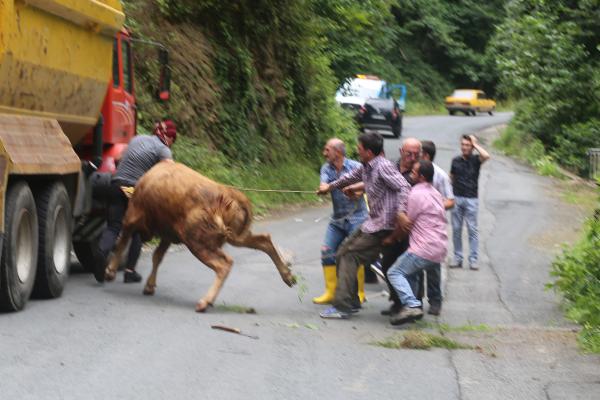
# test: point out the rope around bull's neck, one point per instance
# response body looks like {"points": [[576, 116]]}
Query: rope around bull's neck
{"points": [[271, 190]]}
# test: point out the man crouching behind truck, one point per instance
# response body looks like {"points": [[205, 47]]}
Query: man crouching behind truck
{"points": [[142, 154]]}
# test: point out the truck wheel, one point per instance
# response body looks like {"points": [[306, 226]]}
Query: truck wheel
{"points": [[397, 128], [54, 254], [20, 248]]}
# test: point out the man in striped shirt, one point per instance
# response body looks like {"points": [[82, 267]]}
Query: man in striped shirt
{"points": [[387, 191]]}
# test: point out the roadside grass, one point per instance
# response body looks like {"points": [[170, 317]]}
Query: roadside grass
{"points": [[419, 340], [447, 328], [425, 108], [293, 174], [529, 149], [234, 308]]}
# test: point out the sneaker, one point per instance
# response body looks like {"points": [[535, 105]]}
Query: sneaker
{"points": [[394, 309], [474, 267], [131, 277], [456, 265], [435, 308], [407, 314], [377, 269], [334, 313]]}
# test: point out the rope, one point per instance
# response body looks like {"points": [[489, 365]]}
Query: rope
{"points": [[271, 190]]}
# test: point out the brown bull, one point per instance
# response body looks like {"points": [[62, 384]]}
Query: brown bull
{"points": [[179, 205]]}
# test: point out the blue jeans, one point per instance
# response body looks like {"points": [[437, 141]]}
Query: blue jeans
{"points": [[335, 235], [465, 208], [407, 265]]}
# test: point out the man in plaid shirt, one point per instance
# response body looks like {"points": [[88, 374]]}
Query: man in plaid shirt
{"points": [[387, 191]]}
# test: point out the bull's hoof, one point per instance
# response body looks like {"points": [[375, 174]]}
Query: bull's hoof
{"points": [[149, 290], [109, 275], [290, 280], [202, 306]]}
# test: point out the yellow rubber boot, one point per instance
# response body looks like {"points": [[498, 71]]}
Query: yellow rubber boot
{"points": [[360, 277], [330, 283]]}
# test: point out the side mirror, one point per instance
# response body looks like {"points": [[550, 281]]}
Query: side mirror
{"points": [[164, 84]]}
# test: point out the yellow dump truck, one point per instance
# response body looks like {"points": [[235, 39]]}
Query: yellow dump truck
{"points": [[67, 111]]}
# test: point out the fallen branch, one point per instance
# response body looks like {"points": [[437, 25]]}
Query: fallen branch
{"points": [[232, 330]]}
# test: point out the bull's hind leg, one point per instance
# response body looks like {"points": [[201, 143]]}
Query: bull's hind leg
{"points": [[157, 258], [219, 262], [111, 270], [263, 243]]}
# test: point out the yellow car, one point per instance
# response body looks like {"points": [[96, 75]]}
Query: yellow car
{"points": [[470, 102]]}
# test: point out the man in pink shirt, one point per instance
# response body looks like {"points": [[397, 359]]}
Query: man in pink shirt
{"points": [[425, 220]]}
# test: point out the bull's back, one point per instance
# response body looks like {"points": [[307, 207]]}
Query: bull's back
{"points": [[172, 190]]}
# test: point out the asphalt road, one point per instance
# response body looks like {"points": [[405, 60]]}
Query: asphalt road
{"points": [[111, 342]]}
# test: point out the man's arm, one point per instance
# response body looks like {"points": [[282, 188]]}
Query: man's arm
{"points": [[354, 191], [351, 177], [448, 193], [483, 154], [402, 229]]}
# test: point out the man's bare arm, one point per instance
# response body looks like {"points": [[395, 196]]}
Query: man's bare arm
{"points": [[483, 154]]}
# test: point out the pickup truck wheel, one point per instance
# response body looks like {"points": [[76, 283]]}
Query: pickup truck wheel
{"points": [[397, 128], [54, 216], [19, 248], [451, 112]]}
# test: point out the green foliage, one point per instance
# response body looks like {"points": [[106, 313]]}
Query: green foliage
{"points": [[419, 340], [524, 146], [578, 278], [547, 56]]}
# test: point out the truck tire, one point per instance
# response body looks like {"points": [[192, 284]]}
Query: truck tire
{"points": [[19, 249], [54, 250]]}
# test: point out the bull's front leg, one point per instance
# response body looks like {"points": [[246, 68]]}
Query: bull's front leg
{"points": [[219, 262], [263, 243]]}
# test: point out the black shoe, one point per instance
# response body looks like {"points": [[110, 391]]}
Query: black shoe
{"points": [[99, 265], [131, 277], [370, 276], [454, 266], [435, 308], [394, 308]]}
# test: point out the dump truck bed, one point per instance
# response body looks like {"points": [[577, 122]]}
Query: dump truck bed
{"points": [[56, 59]]}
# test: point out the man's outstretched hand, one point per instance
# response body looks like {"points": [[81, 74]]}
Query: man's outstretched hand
{"points": [[323, 188]]}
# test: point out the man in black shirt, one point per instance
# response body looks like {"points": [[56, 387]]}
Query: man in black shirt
{"points": [[465, 175]]}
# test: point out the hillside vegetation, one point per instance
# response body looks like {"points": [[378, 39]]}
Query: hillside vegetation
{"points": [[254, 81]]}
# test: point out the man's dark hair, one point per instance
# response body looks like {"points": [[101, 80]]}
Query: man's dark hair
{"points": [[428, 147], [467, 137], [426, 170], [372, 141]]}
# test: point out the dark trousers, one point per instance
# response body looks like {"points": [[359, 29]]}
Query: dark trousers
{"points": [[359, 248], [117, 206], [417, 282]]}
